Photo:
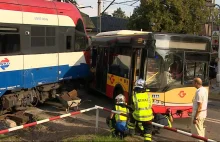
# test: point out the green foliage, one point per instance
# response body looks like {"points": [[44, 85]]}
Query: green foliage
{"points": [[93, 138], [119, 13], [216, 18], [179, 16]]}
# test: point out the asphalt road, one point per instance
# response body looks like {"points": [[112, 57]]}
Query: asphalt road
{"points": [[212, 123]]}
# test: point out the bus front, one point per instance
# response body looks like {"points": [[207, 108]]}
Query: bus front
{"points": [[169, 67]]}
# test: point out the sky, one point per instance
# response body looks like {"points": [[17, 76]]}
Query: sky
{"points": [[125, 6], [94, 11]]}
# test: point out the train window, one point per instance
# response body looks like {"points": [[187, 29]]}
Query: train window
{"points": [[37, 31], [81, 42], [9, 43], [50, 36], [68, 42], [37, 41], [43, 36]]}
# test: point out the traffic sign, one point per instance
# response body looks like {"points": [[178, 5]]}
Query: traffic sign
{"points": [[215, 37]]}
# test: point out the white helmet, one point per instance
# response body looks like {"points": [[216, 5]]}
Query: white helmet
{"points": [[140, 83], [120, 98]]}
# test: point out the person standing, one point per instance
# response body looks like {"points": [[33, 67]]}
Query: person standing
{"points": [[142, 110], [200, 103]]}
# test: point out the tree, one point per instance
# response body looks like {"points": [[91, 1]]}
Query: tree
{"points": [[179, 16], [119, 13], [216, 19], [105, 14]]}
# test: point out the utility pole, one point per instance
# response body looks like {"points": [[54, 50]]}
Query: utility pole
{"points": [[99, 18], [212, 15], [218, 73]]}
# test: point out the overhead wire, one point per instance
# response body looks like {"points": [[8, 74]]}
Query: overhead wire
{"points": [[123, 3]]}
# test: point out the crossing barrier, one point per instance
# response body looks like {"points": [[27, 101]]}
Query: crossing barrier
{"points": [[45, 120], [97, 108]]}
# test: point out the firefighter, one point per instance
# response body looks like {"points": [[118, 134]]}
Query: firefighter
{"points": [[118, 123], [142, 106], [165, 120]]}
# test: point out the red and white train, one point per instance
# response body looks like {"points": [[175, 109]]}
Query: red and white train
{"points": [[42, 44]]}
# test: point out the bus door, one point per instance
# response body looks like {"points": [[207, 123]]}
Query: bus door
{"points": [[101, 68], [135, 70]]}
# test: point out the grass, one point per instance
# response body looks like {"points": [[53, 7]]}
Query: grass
{"points": [[92, 138], [100, 138], [6, 138]]}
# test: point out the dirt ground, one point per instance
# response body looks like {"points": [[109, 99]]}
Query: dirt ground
{"points": [[58, 130]]}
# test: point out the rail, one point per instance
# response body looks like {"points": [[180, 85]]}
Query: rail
{"points": [[97, 108]]}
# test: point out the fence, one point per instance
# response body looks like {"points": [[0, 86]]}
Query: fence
{"points": [[97, 108]]}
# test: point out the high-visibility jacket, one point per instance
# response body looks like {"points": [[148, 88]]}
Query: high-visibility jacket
{"points": [[124, 110], [142, 107]]}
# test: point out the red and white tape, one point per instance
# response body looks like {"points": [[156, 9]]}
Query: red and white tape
{"points": [[105, 109], [45, 120], [165, 127]]}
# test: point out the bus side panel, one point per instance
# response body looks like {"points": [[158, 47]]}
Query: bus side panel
{"points": [[113, 81], [180, 99]]}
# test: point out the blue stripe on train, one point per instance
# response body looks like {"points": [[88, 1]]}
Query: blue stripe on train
{"points": [[37, 76]]}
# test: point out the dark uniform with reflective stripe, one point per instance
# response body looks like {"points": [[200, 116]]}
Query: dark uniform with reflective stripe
{"points": [[142, 112]]}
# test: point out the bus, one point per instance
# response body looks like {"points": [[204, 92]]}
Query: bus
{"points": [[168, 62]]}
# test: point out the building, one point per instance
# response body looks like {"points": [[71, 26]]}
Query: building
{"points": [[88, 22], [109, 23]]}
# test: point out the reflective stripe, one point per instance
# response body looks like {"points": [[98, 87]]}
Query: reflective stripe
{"points": [[146, 116], [140, 126], [170, 125], [148, 137], [118, 117], [131, 125], [145, 108]]}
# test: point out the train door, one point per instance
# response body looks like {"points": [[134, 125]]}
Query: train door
{"points": [[68, 59]]}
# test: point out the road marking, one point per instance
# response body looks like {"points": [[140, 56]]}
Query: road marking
{"points": [[213, 120]]}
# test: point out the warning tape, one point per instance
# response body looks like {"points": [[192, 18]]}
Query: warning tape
{"points": [[45, 120], [105, 109], [165, 127]]}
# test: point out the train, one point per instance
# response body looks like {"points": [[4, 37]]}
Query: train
{"points": [[43, 45]]}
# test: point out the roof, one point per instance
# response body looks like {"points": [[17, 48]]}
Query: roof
{"points": [[162, 40], [111, 23], [87, 21], [121, 32]]}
